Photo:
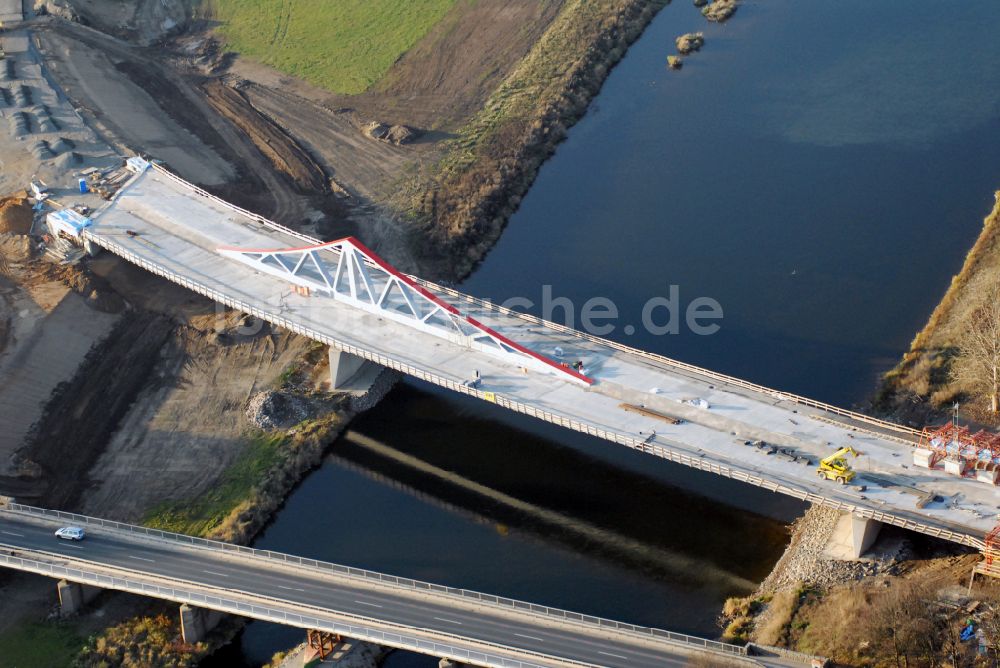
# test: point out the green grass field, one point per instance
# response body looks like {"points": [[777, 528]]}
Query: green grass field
{"points": [[341, 45], [39, 645]]}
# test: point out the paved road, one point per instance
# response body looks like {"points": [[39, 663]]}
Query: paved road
{"points": [[257, 576]]}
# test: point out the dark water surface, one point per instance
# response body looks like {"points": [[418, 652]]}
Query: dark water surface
{"points": [[820, 169]]}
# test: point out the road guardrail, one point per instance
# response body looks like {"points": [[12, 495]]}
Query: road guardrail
{"points": [[380, 578]]}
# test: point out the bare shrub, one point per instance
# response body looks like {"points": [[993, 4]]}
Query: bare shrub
{"points": [[773, 626], [977, 365]]}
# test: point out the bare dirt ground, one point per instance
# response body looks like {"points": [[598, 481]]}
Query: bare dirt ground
{"points": [[445, 77], [53, 328], [198, 402], [138, 102], [431, 88], [141, 21], [283, 152], [49, 328], [89, 73], [362, 166], [156, 412]]}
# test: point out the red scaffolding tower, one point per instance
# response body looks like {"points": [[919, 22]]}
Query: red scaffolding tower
{"points": [[979, 450]]}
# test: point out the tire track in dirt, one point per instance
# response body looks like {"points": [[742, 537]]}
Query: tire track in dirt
{"points": [[284, 153], [257, 186]]}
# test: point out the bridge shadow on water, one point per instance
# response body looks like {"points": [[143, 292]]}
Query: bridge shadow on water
{"points": [[662, 520], [453, 490]]}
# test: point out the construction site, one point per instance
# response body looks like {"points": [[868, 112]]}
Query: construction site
{"points": [[85, 85], [128, 396]]}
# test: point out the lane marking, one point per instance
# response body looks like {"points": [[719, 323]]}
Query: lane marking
{"points": [[75, 547], [290, 588], [132, 556], [221, 575], [617, 656], [521, 635], [11, 533], [450, 621], [374, 605]]}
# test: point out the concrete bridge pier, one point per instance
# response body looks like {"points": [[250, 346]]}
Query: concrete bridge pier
{"points": [[852, 537], [73, 596], [196, 622], [344, 367], [449, 663]]}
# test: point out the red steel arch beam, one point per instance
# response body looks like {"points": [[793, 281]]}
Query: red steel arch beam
{"points": [[350, 244]]}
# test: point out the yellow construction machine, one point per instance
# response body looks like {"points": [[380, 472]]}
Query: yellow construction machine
{"points": [[835, 467]]}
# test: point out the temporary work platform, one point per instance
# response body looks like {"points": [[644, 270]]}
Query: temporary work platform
{"points": [[962, 453]]}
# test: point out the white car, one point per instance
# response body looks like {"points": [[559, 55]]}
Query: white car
{"points": [[71, 533]]}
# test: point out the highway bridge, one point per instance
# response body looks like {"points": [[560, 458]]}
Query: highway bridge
{"points": [[466, 626], [342, 294]]}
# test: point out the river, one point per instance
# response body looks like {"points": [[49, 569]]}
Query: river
{"points": [[819, 170]]}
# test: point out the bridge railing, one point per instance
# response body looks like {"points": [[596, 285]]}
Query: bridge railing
{"points": [[674, 453], [380, 578], [186, 592], [526, 317], [667, 361]]}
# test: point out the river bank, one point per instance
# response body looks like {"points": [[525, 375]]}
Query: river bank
{"points": [[107, 441], [809, 586], [920, 389], [909, 585], [462, 202]]}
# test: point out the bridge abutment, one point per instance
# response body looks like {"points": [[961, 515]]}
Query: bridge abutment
{"points": [[197, 622], [73, 596], [344, 367], [852, 536]]}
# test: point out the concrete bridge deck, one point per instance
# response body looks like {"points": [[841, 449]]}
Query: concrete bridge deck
{"points": [[469, 627], [181, 227]]}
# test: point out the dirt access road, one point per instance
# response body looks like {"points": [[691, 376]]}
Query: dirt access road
{"points": [[138, 102]]}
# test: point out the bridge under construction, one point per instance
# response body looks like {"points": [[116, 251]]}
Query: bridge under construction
{"points": [[340, 293]]}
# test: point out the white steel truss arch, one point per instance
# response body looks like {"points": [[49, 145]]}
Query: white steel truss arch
{"points": [[349, 272]]}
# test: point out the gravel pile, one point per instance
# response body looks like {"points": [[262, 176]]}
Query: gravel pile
{"points": [[804, 560], [277, 410]]}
